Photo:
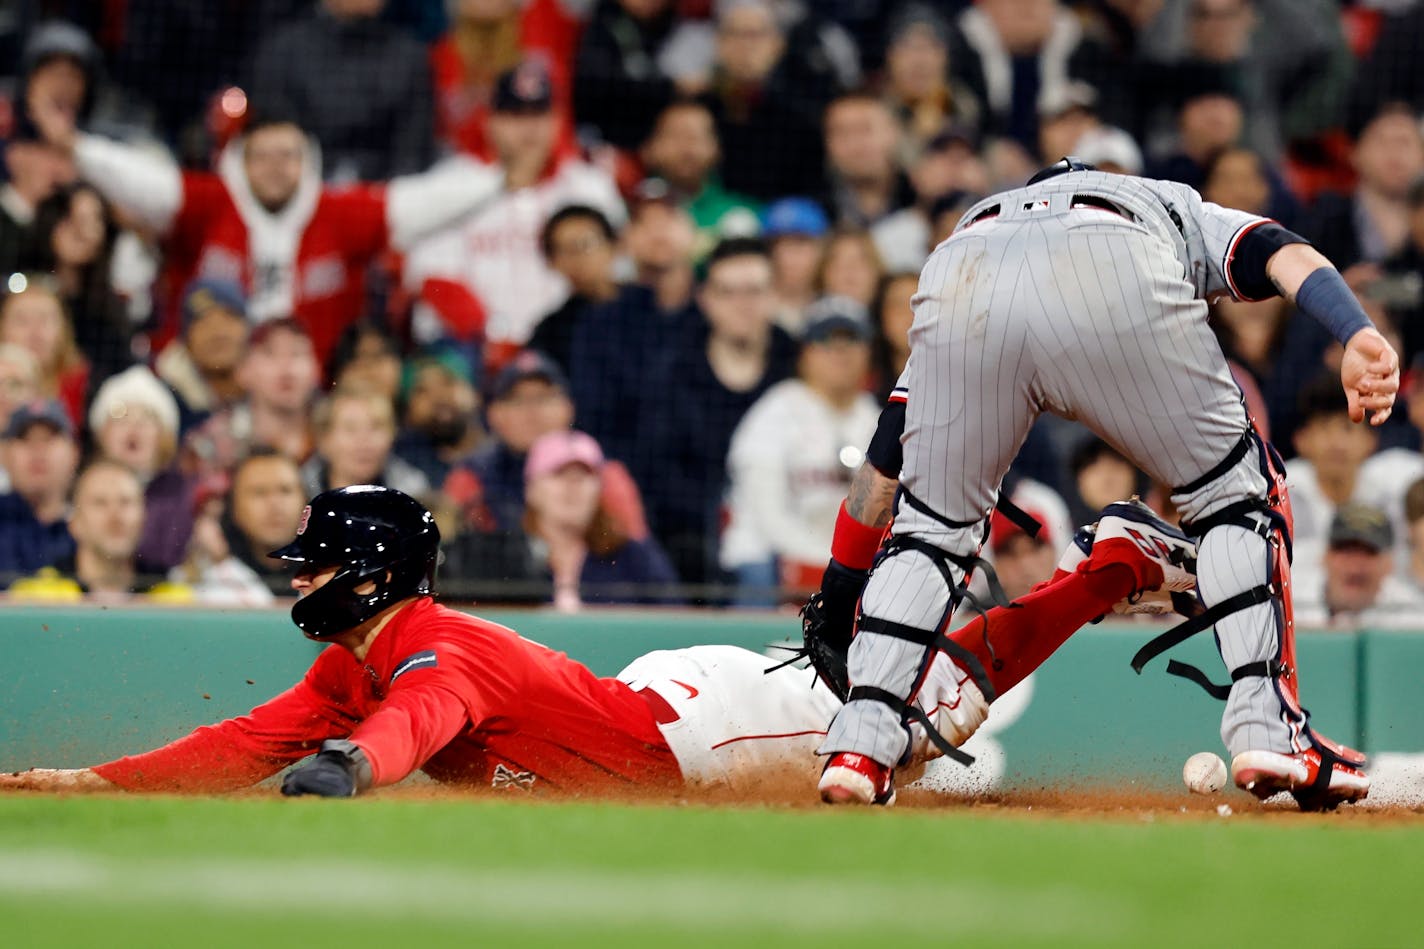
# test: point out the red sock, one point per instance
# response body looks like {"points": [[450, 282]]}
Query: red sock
{"points": [[1027, 633]]}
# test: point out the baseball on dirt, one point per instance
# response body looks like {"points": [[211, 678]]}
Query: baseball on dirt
{"points": [[1204, 773]]}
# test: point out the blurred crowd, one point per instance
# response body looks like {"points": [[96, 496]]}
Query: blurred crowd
{"points": [[618, 287]]}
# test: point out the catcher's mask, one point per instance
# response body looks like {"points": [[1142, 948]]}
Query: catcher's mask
{"points": [[1061, 167], [373, 535]]}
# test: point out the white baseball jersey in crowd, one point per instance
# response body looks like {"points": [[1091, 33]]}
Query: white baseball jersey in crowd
{"points": [[495, 253], [791, 461], [1082, 295]]}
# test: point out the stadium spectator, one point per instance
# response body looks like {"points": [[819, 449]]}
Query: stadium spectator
{"points": [[1210, 117], [1414, 527], [1356, 586], [715, 370], [177, 55], [917, 83], [528, 400], [850, 267], [792, 456], [1110, 149], [133, 420], [367, 357], [684, 152], [39, 451], [866, 184], [1014, 54], [362, 89], [34, 171], [892, 316], [355, 430], [72, 239], [1402, 287], [264, 220], [263, 510], [616, 346], [581, 246], [488, 270], [279, 377], [795, 231], [1064, 118], [946, 213], [59, 70], [487, 38], [1288, 58], [1020, 560], [1326, 472], [947, 167], [32, 317], [440, 425], [621, 76], [106, 523], [19, 383], [1239, 178], [200, 366], [1372, 223], [1101, 475], [1390, 73], [768, 110], [587, 554]]}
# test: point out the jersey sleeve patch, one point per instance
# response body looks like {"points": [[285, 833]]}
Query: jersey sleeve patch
{"points": [[425, 659]]}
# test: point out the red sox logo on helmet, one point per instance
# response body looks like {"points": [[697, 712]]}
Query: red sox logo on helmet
{"points": [[302, 524]]}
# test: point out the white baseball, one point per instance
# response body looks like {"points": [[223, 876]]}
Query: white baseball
{"points": [[1204, 773]]}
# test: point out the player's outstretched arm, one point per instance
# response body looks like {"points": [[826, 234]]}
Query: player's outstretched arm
{"points": [[54, 779], [1369, 371]]}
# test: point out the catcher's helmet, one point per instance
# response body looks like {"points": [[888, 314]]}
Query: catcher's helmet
{"points": [[375, 535], [1061, 167]]}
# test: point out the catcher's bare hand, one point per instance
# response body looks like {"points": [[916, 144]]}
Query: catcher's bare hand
{"points": [[53, 779], [1369, 372]]}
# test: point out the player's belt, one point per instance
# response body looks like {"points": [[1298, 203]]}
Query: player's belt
{"points": [[1096, 202]]}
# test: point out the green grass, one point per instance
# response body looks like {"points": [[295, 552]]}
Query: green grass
{"points": [[399, 872]]}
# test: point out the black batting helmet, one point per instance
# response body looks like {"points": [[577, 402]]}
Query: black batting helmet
{"points": [[1062, 167], [374, 535]]}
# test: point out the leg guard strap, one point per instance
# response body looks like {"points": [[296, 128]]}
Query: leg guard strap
{"points": [[1263, 669], [932, 639], [913, 713], [1203, 621]]}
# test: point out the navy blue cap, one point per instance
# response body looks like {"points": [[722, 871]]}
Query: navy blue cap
{"points": [[207, 292], [525, 88], [39, 412], [836, 314], [529, 364]]}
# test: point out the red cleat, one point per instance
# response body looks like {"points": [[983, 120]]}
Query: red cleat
{"points": [[855, 779], [1266, 773]]}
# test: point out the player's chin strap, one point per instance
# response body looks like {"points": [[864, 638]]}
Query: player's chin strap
{"points": [[1258, 515]]}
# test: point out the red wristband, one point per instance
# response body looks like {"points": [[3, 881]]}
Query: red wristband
{"points": [[855, 544]]}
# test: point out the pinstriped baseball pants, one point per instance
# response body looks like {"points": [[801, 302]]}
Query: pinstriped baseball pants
{"points": [[1084, 314]]}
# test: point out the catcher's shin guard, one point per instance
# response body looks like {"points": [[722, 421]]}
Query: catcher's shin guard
{"points": [[1271, 519]]}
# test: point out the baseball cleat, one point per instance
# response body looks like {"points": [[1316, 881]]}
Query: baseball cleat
{"points": [[1078, 548], [855, 779], [1171, 549], [1267, 773]]}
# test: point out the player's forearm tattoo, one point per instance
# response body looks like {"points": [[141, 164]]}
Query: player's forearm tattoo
{"points": [[1281, 288], [871, 497]]}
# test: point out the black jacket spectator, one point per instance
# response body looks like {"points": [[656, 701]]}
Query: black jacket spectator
{"points": [[618, 86], [688, 429], [362, 88]]}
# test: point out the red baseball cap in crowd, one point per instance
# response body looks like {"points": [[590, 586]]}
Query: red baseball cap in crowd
{"points": [[1002, 530], [557, 449]]}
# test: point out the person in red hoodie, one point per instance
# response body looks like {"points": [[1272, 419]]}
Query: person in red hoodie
{"points": [[408, 684], [264, 220]]}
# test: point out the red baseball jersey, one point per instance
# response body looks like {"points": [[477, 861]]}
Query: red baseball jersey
{"points": [[345, 231], [465, 700]]}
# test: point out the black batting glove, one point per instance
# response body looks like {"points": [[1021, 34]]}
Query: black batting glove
{"points": [[338, 771]]}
